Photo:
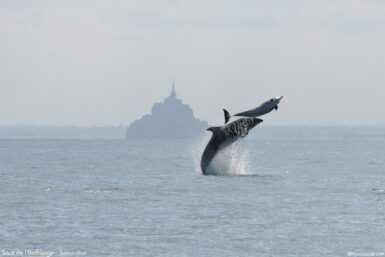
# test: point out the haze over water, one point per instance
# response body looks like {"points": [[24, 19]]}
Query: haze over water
{"points": [[308, 192], [101, 63]]}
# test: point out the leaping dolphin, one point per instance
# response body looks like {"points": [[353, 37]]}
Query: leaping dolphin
{"points": [[224, 136], [264, 108]]}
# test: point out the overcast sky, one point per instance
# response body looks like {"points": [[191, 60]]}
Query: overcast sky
{"points": [[106, 62]]}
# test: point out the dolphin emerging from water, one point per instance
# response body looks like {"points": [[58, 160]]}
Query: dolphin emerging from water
{"points": [[224, 136], [264, 108]]}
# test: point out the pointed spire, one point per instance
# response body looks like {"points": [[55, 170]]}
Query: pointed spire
{"points": [[173, 93]]}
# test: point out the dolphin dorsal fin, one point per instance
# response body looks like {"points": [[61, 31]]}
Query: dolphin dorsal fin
{"points": [[227, 115]]}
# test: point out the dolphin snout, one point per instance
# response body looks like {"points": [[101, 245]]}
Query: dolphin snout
{"points": [[278, 99]]}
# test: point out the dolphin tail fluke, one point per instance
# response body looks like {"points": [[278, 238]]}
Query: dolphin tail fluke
{"points": [[227, 115]]}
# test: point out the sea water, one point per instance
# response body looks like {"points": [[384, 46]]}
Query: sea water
{"points": [[299, 192]]}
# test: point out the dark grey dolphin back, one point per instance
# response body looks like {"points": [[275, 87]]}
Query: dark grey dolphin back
{"points": [[264, 108]]}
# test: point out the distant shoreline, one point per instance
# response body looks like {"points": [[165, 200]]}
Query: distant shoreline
{"points": [[119, 132], [61, 132]]}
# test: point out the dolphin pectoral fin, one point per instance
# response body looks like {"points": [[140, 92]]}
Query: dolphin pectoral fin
{"points": [[214, 129], [227, 115], [276, 107]]}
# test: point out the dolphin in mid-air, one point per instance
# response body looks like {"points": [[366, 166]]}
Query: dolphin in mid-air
{"points": [[264, 108], [224, 136]]}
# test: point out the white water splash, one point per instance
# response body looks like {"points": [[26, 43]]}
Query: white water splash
{"points": [[230, 160]]}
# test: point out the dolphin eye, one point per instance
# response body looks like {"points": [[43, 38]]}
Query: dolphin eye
{"points": [[271, 99]]}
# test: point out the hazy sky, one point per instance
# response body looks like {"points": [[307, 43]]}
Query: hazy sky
{"points": [[106, 62]]}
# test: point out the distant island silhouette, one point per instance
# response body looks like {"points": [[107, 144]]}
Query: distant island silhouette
{"points": [[169, 119]]}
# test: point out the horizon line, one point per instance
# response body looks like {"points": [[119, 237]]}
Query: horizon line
{"points": [[121, 125]]}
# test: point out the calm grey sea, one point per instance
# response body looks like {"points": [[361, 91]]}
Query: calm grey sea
{"points": [[306, 192]]}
